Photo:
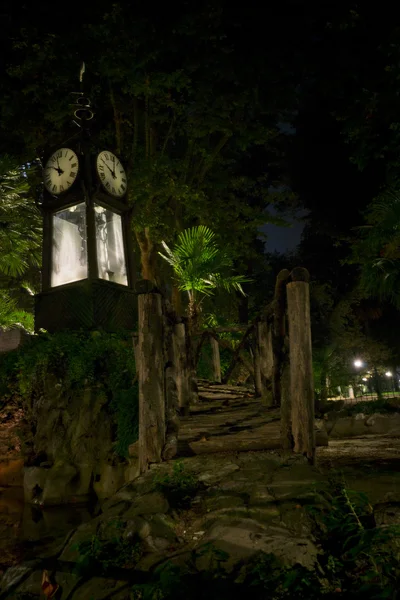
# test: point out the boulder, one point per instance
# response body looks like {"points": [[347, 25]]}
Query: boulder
{"points": [[243, 538], [108, 479]]}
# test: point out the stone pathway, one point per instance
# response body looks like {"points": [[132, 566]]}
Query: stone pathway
{"points": [[230, 419]]}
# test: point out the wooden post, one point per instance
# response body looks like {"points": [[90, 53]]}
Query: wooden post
{"points": [[278, 335], [286, 401], [171, 361], [301, 372], [257, 362], [216, 360], [263, 361], [182, 375], [151, 379], [135, 343]]}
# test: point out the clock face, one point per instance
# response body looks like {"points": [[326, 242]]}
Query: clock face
{"points": [[112, 173], [60, 171]]}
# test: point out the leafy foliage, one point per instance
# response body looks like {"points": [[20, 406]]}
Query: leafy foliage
{"points": [[10, 315], [77, 360], [107, 550], [199, 265], [20, 222], [377, 249], [179, 487]]}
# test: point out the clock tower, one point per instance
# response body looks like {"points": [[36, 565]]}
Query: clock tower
{"points": [[88, 271]]}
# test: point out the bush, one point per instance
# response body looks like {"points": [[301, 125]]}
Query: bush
{"points": [[179, 487], [78, 359], [104, 552]]}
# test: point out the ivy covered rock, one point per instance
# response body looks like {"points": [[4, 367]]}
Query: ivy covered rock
{"points": [[79, 400]]}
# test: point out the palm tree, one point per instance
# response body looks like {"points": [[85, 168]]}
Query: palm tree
{"points": [[20, 242], [200, 268], [20, 224]]}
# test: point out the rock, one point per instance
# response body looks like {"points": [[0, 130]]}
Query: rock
{"points": [[348, 427], [14, 576], [295, 482], [243, 538], [133, 450], [379, 424], [219, 502], [148, 504], [260, 495], [132, 471], [57, 487], [34, 481], [109, 480], [212, 477], [11, 472]]}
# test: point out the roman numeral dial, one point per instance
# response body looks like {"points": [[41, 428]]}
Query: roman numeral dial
{"points": [[61, 171], [111, 173]]}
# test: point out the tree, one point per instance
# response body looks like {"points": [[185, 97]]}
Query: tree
{"points": [[20, 237], [200, 268], [376, 250], [179, 96], [20, 244]]}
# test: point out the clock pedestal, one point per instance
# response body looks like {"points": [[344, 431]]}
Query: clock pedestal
{"points": [[86, 305]]}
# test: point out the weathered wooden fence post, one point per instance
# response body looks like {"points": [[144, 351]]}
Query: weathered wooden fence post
{"points": [[257, 361], [216, 359], [301, 371], [263, 360], [151, 376], [182, 382]]}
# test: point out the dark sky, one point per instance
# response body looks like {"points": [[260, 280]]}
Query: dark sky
{"points": [[282, 239]]}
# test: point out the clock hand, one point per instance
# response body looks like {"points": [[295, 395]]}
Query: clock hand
{"points": [[60, 171], [111, 171]]}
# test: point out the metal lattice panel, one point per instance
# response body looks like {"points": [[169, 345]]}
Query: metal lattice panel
{"points": [[85, 305]]}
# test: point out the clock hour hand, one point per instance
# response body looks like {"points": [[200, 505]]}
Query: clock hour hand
{"points": [[60, 171]]}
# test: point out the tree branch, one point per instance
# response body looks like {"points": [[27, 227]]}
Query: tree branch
{"points": [[207, 165]]}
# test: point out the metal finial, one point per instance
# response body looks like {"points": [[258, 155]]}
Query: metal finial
{"points": [[81, 72]]}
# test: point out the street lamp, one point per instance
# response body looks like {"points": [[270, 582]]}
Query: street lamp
{"points": [[358, 363], [388, 374]]}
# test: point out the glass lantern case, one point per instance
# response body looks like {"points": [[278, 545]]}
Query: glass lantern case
{"points": [[87, 270]]}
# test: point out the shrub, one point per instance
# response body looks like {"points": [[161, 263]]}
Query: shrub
{"points": [[78, 359], [179, 487]]}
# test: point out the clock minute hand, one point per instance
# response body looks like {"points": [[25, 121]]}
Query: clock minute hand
{"points": [[111, 171]]}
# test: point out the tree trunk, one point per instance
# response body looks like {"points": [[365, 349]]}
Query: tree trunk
{"points": [[216, 360], [148, 255], [151, 380], [177, 300], [377, 384], [301, 373], [243, 309]]}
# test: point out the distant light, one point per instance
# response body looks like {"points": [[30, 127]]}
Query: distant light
{"points": [[358, 363], [364, 379], [388, 374]]}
